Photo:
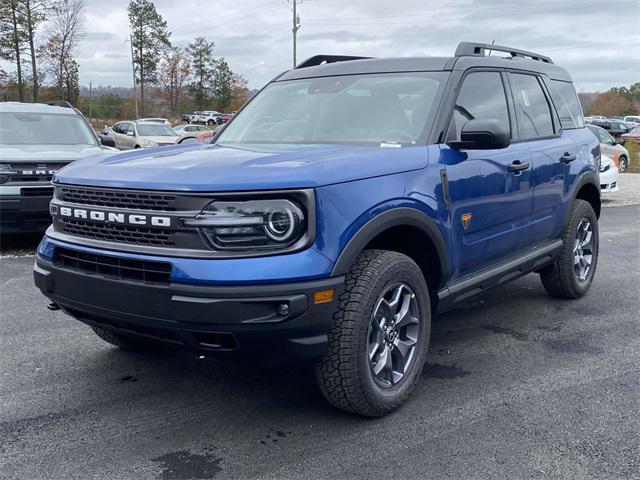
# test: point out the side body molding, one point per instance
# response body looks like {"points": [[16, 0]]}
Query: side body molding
{"points": [[394, 217]]}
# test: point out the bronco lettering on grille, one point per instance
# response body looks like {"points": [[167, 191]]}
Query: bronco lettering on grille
{"points": [[111, 217]]}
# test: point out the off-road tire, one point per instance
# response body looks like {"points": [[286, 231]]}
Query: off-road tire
{"points": [[344, 374], [559, 279], [127, 343]]}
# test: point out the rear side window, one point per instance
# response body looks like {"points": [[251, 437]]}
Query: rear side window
{"points": [[567, 104], [482, 97], [532, 109]]}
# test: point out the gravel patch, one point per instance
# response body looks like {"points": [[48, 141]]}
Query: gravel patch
{"points": [[627, 194]]}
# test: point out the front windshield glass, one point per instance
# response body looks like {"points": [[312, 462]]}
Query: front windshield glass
{"points": [[44, 129], [357, 109], [153, 130]]}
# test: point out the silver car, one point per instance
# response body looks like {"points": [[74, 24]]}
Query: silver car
{"points": [[609, 147], [129, 135]]}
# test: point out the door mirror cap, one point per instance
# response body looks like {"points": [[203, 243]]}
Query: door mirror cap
{"points": [[130, 134], [107, 140], [482, 135]]}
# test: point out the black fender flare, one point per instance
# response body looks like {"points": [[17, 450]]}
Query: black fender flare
{"points": [[588, 177], [395, 217]]}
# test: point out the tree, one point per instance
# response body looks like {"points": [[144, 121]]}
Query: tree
{"points": [[173, 74], [33, 13], [12, 38], [202, 68], [66, 22], [149, 36], [240, 92], [618, 101], [223, 84]]}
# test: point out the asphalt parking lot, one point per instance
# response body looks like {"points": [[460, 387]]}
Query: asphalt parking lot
{"points": [[517, 385]]}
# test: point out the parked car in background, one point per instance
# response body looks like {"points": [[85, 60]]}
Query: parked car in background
{"points": [[609, 147], [130, 135], [614, 127], [188, 128], [185, 117], [633, 119], [193, 118], [226, 117], [210, 118], [196, 137], [608, 175], [36, 141], [632, 136], [162, 121]]}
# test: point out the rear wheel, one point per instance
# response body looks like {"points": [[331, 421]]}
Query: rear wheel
{"points": [[379, 338], [571, 273], [122, 341], [211, 123]]}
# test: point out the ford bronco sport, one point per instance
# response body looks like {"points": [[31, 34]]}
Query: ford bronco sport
{"points": [[346, 204]]}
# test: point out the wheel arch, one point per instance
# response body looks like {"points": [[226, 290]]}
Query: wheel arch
{"points": [[406, 230], [588, 189]]}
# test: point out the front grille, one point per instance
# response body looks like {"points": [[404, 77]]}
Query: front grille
{"points": [[118, 199], [112, 267], [37, 192], [118, 233]]}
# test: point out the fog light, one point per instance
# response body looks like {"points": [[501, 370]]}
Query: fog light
{"points": [[323, 296]]}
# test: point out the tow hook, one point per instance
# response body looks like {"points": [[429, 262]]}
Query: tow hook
{"points": [[53, 306]]}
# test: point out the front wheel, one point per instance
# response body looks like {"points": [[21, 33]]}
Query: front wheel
{"points": [[571, 273], [379, 337], [624, 163]]}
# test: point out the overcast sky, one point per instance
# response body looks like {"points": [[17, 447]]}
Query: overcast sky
{"points": [[597, 41]]}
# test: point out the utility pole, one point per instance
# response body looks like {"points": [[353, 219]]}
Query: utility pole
{"points": [[133, 71], [90, 102], [294, 29]]}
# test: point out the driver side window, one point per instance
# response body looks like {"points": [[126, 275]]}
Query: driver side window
{"points": [[481, 96]]}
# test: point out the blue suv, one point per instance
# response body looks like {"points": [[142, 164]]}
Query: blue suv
{"points": [[343, 207]]}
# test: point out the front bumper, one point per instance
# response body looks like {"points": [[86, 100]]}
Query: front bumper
{"points": [[609, 180], [25, 209], [272, 324]]}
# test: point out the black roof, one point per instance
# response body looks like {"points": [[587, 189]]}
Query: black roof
{"points": [[468, 55]]}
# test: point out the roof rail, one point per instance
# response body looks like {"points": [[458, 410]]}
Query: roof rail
{"points": [[60, 103], [320, 59], [470, 49]]}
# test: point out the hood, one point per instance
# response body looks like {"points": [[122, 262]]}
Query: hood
{"points": [[163, 139], [197, 167], [49, 153]]}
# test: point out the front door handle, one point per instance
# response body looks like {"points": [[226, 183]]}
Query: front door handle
{"points": [[517, 166], [567, 158]]}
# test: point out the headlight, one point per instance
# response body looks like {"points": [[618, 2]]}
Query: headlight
{"points": [[266, 224]]}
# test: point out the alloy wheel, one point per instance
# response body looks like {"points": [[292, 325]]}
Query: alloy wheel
{"points": [[583, 250], [393, 335]]}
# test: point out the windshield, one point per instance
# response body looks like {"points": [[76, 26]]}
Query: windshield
{"points": [[44, 129], [358, 109], [152, 130]]}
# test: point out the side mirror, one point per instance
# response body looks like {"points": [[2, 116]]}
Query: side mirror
{"points": [[131, 134], [107, 140], [482, 135]]}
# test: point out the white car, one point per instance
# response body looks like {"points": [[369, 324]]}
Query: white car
{"points": [[130, 135], [608, 175], [632, 120], [210, 118]]}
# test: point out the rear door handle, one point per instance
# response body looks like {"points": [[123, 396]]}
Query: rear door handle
{"points": [[517, 166], [567, 158]]}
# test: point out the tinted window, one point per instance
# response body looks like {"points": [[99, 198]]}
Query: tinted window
{"points": [[481, 97], [532, 109], [567, 104]]}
